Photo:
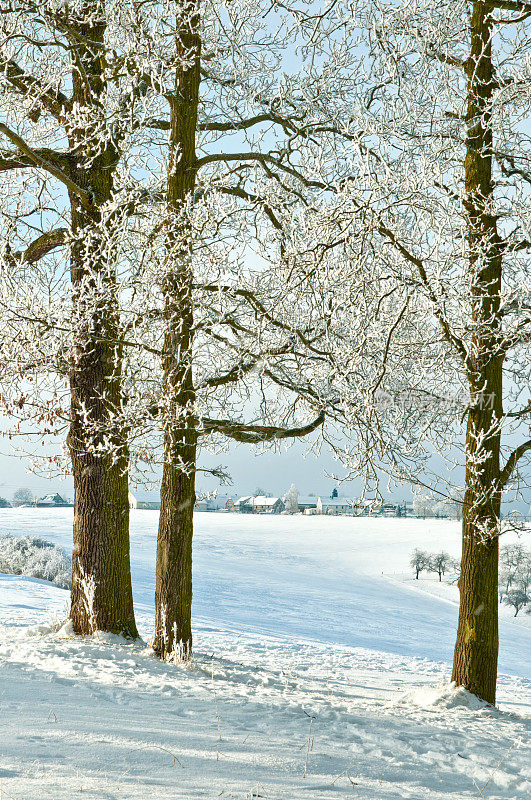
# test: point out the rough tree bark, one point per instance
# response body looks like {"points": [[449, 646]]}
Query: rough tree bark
{"points": [[101, 594], [173, 594], [476, 650]]}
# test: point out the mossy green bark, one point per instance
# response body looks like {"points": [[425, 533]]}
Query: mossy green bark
{"points": [[173, 594]]}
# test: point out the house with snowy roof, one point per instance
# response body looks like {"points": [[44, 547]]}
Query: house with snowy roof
{"points": [[221, 502], [334, 505], [307, 502], [52, 501], [260, 504]]}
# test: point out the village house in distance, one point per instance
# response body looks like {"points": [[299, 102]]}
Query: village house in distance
{"points": [[293, 503], [52, 501], [262, 503]]}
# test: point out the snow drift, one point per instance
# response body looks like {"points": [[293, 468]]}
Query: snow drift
{"points": [[444, 696]]}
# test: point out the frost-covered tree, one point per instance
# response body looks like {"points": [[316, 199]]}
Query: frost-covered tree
{"points": [[512, 559], [440, 563], [513, 556], [234, 348], [517, 598], [452, 509], [423, 506], [419, 561], [121, 176], [291, 500], [523, 576], [22, 497], [66, 123], [431, 232]]}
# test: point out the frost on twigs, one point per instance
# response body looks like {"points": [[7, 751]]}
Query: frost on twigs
{"points": [[181, 652], [239, 275], [87, 588]]}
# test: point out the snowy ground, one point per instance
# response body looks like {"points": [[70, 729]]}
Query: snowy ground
{"points": [[298, 621]]}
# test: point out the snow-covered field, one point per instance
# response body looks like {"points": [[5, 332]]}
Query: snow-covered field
{"points": [[316, 665]]}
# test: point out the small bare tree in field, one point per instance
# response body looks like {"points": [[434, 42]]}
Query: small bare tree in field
{"points": [[517, 599], [22, 497], [441, 563], [419, 561]]}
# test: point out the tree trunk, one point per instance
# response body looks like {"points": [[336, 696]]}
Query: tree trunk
{"points": [[102, 597], [173, 594], [476, 650]]}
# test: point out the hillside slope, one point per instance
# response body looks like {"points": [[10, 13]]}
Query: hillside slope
{"points": [[313, 676]]}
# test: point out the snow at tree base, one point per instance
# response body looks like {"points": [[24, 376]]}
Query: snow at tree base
{"points": [[321, 670]]}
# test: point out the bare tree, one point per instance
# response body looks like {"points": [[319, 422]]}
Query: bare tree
{"points": [[23, 497], [419, 561], [440, 563], [517, 598]]}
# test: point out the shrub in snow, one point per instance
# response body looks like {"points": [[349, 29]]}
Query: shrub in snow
{"points": [[28, 555]]}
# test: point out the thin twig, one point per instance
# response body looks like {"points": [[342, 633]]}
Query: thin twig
{"points": [[496, 768], [219, 720], [165, 750], [309, 745]]}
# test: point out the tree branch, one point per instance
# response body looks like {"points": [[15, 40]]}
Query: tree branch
{"points": [[13, 160], [512, 461], [40, 247], [235, 191], [262, 158], [54, 102], [221, 127], [418, 263], [254, 434], [444, 58], [240, 125], [39, 161], [521, 413], [234, 374], [514, 169], [259, 308], [510, 5]]}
